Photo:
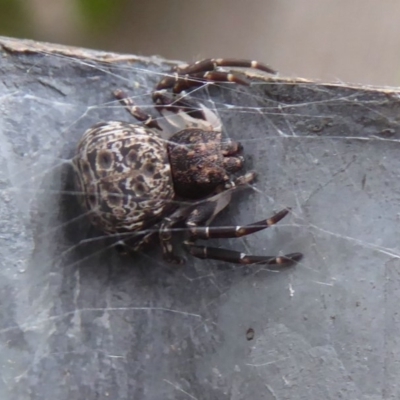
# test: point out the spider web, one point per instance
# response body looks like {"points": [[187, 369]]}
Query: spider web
{"points": [[81, 321]]}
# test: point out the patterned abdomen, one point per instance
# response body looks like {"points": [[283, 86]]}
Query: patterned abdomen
{"points": [[124, 175]]}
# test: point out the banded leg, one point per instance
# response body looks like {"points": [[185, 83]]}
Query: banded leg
{"points": [[206, 212], [179, 83], [236, 257], [210, 64], [226, 232], [174, 104], [136, 111], [231, 148], [196, 74], [165, 235]]}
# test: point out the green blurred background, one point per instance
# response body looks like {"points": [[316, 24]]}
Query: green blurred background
{"points": [[335, 40]]}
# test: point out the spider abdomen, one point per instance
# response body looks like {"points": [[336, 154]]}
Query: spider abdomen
{"points": [[124, 176]]}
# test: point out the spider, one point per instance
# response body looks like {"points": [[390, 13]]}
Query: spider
{"points": [[138, 181]]}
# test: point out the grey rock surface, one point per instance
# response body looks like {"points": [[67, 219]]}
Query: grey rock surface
{"points": [[79, 321]]}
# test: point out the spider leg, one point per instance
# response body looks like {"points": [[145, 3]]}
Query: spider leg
{"points": [[165, 234], [233, 164], [197, 73], [134, 244], [231, 148], [232, 161], [225, 232], [179, 83], [184, 113], [211, 64], [236, 257], [241, 181], [174, 104], [206, 211], [136, 111]]}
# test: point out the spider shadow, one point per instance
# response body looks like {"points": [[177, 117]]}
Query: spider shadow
{"points": [[83, 250], [93, 253], [68, 246]]}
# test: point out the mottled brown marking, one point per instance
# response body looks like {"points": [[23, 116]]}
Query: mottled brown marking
{"points": [[132, 157], [115, 167], [149, 169], [114, 199], [140, 189], [105, 159]]}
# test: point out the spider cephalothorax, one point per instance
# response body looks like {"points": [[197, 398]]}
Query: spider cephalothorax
{"points": [[137, 181]]}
